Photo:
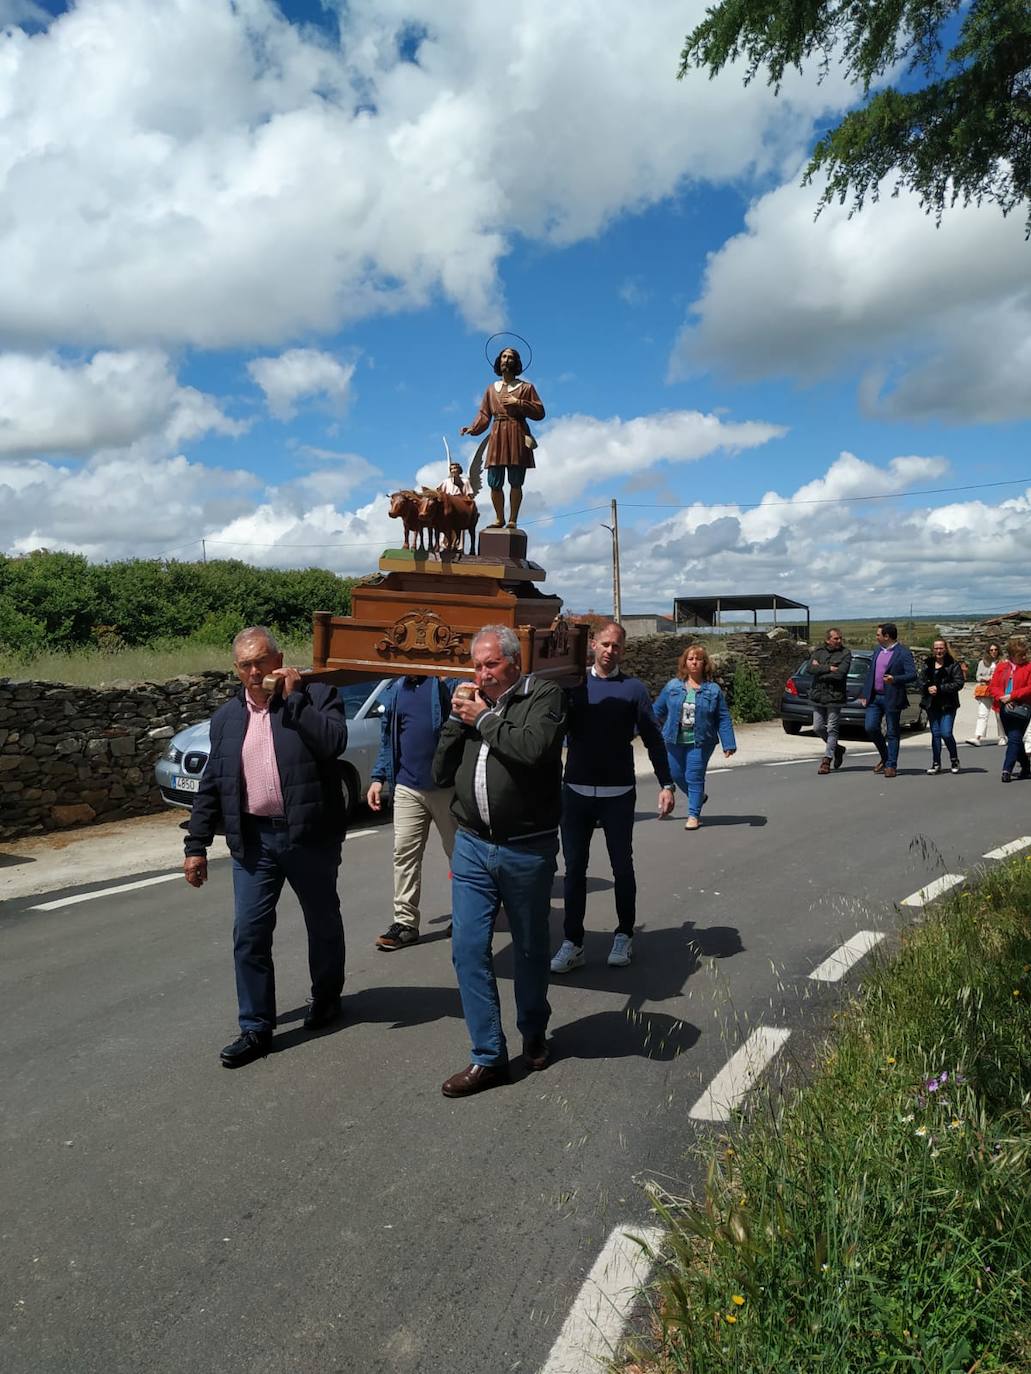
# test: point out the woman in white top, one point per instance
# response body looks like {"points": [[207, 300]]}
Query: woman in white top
{"points": [[986, 711]]}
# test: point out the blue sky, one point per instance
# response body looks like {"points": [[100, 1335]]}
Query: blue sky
{"points": [[250, 254]]}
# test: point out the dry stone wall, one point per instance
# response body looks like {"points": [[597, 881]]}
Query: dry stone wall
{"points": [[75, 755], [774, 657], [970, 639]]}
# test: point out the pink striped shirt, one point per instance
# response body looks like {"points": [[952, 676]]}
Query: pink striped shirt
{"points": [[259, 772]]}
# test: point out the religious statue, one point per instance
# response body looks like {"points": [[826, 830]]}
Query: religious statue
{"points": [[508, 403]]}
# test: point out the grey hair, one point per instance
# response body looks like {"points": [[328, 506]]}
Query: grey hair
{"points": [[255, 632], [508, 640]]}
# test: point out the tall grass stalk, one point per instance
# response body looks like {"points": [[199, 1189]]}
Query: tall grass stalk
{"points": [[878, 1218]]}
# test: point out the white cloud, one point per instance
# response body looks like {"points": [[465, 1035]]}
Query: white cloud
{"points": [[951, 306], [842, 557], [48, 405], [299, 373], [116, 506], [211, 174]]}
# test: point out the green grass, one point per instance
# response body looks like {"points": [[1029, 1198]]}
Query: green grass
{"points": [[879, 1218], [158, 663]]}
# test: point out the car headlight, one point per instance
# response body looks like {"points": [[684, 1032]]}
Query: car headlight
{"points": [[173, 755]]}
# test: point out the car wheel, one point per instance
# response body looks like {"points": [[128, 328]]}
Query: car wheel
{"points": [[792, 727], [349, 784]]}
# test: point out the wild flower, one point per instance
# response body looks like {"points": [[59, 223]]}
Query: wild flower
{"points": [[730, 1319], [890, 1059], [737, 1300], [921, 1131]]}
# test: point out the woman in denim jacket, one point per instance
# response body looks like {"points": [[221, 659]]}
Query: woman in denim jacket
{"points": [[693, 715]]}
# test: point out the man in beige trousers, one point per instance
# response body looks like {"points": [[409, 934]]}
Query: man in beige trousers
{"points": [[415, 709]]}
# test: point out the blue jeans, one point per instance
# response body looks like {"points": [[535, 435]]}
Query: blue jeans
{"points": [[1016, 751], [888, 748], [580, 815], [688, 763], [311, 870], [941, 733], [485, 875]]}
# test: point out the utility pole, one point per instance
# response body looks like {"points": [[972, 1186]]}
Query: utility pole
{"points": [[617, 599], [203, 550]]}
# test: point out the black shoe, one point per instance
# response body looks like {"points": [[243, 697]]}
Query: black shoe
{"points": [[250, 1046], [323, 1013], [839, 755], [1005, 776], [397, 936]]}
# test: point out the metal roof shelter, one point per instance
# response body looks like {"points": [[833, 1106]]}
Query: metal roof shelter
{"points": [[709, 610]]}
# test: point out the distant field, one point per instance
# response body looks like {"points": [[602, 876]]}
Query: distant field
{"points": [[91, 668]]}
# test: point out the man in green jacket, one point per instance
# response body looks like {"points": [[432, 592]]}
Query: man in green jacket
{"points": [[501, 750], [828, 692]]}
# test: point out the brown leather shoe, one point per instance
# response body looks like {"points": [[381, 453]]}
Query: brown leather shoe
{"points": [[879, 767], [536, 1052], [825, 765], [889, 772], [477, 1078]]}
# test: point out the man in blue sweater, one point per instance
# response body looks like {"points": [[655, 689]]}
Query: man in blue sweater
{"points": [[599, 790], [414, 710]]}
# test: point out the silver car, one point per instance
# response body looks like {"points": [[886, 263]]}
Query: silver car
{"points": [[178, 771]]}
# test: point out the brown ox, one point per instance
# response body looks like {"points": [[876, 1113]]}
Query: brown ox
{"points": [[448, 518], [404, 506]]}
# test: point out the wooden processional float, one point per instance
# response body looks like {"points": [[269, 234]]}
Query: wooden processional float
{"points": [[419, 616]]}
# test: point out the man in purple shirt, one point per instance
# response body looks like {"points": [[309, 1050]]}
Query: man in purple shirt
{"points": [[891, 670]]}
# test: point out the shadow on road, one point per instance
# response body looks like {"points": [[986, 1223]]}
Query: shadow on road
{"points": [[708, 821], [618, 1034], [9, 860]]}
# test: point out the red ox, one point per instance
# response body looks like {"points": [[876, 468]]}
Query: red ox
{"points": [[404, 506], [449, 518]]}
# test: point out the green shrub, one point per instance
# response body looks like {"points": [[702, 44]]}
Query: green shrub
{"points": [[60, 601], [748, 698]]}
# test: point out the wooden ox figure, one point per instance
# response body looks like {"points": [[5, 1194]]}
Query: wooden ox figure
{"points": [[404, 506], [449, 518]]}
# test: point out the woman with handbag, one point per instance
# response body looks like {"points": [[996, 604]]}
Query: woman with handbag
{"points": [[986, 708], [1011, 690], [694, 717], [942, 681]]}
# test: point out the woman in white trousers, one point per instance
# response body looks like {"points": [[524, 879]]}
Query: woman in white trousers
{"points": [[985, 707]]}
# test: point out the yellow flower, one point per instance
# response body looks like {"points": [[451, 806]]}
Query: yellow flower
{"points": [[737, 1300], [955, 1124], [731, 1319], [1016, 992], [921, 1130], [890, 1059]]}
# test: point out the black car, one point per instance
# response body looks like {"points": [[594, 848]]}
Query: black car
{"points": [[796, 710]]}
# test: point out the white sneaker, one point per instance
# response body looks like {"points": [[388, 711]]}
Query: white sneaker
{"points": [[569, 957], [622, 951]]}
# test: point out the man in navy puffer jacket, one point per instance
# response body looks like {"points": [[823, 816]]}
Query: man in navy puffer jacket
{"points": [[273, 783]]}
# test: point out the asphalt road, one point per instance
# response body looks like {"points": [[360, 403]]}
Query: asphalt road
{"points": [[327, 1209]]}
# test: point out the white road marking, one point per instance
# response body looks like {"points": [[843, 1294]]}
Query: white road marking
{"points": [[1005, 850], [592, 1329], [927, 894], [787, 763], [107, 892], [838, 964], [727, 1090], [373, 830]]}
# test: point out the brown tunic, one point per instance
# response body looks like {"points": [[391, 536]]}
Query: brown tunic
{"points": [[507, 446]]}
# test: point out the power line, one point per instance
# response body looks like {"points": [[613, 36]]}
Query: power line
{"points": [[830, 500]]}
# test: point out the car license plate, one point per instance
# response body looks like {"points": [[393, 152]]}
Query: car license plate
{"points": [[186, 784]]}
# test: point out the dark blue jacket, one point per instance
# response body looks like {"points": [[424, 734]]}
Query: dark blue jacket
{"points": [[388, 760], [309, 731], [902, 669]]}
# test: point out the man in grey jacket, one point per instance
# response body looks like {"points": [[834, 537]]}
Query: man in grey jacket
{"points": [[501, 750], [829, 667]]}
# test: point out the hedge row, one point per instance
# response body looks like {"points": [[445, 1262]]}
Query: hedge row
{"points": [[62, 601]]}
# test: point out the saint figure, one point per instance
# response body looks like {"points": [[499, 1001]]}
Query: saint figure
{"points": [[509, 403]]}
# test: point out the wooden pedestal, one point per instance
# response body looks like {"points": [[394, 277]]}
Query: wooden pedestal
{"points": [[421, 616]]}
